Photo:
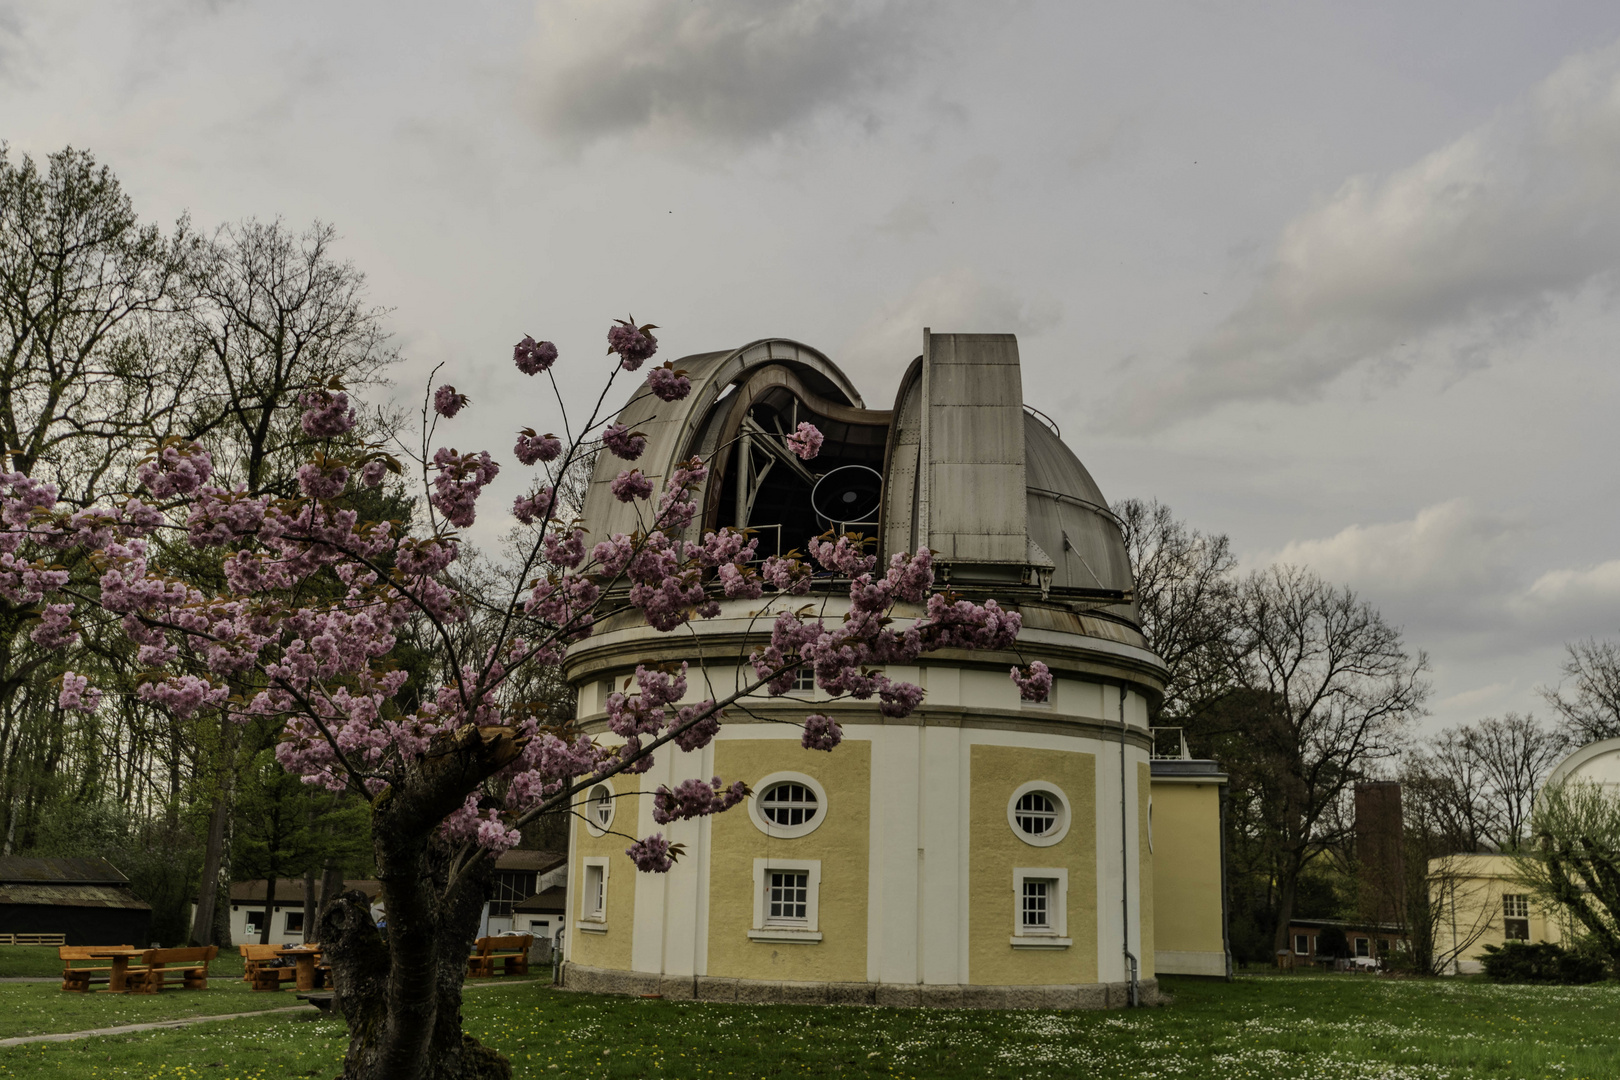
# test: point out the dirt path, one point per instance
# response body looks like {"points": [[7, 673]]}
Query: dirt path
{"points": [[158, 1025]]}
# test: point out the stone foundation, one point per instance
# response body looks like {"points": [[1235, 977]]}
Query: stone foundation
{"points": [[593, 980]]}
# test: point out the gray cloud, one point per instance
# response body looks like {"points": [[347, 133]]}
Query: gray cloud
{"points": [[732, 70], [954, 301], [1473, 242]]}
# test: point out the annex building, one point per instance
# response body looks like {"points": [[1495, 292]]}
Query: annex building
{"points": [[983, 851]]}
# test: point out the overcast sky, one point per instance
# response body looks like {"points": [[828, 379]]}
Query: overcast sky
{"points": [[1338, 280]]}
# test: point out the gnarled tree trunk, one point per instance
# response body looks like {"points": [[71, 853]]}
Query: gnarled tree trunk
{"points": [[401, 992]]}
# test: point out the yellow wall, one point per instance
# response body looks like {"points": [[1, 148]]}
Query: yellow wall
{"points": [[997, 771], [1144, 796], [1468, 890], [1185, 911], [612, 949], [841, 843]]}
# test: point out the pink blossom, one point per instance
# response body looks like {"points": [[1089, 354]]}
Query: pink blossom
{"points": [[653, 854], [668, 384], [175, 470], [183, 695], [1034, 682], [694, 798], [373, 472], [623, 442], [533, 357], [78, 694], [842, 557], [613, 554], [631, 485], [326, 414], [319, 483], [460, 480], [634, 344], [805, 441], [820, 733], [446, 402], [531, 448], [566, 550], [55, 629], [536, 504]]}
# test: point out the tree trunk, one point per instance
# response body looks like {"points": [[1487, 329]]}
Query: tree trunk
{"points": [[269, 909], [202, 927], [331, 888], [1285, 911], [215, 855], [402, 997], [310, 908]]}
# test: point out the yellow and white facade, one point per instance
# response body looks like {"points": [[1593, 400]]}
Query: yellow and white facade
{"points": [[983, 851]]}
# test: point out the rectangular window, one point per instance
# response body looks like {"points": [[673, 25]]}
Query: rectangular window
{"points": [[1302, 944], [1383, 946], [512, 887], [1040, 902], [1363, 946], [789, 900], [786, 901], [255, 922], [1036, 911], [804, 678], [595, 891], [295, 922], [1515, 906]]}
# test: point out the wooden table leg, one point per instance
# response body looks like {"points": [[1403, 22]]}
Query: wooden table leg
{"points": [[115, 978], [306, 971]]}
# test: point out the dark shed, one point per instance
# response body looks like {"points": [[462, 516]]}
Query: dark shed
{"points": [[87, 900]]}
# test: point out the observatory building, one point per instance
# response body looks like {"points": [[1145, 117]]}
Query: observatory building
{"points": [[984, 851]]}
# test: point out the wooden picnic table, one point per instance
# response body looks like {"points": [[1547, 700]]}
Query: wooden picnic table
{"points": [[117, 978], [305, 958]]}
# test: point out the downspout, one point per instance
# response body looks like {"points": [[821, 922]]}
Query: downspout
{"points": [[1124, 860]]}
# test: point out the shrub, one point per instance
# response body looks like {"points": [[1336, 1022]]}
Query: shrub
{"points": [[1542, 962]]}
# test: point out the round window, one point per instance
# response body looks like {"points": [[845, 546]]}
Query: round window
{"points": [[599, 809], [1038, 813], [787, 805]]}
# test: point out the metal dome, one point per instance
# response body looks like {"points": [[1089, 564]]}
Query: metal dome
{"points": [[1006, 505]]}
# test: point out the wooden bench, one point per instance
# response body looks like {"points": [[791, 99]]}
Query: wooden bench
{"points": [[191, 966], [78, 980], [258, 971], [511, 949]]}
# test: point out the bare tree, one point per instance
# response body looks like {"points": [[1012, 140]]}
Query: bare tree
{"points": [[1513, 755], [1588, 695], [1331, 689], [1183, 593], [278, 314]]}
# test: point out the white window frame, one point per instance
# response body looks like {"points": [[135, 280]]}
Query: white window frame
{"points": [[1515, 905], [1362, 947], [806, 931], [786, 832], [1055, 936], [1305, 940], [1060, 828], [587, 811], [594, 921]]}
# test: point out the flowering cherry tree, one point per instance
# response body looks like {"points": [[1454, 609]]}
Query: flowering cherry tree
{"points": [[303, 631]]}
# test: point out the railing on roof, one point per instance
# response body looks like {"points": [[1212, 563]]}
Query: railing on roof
{"points": [[1177, 748]]}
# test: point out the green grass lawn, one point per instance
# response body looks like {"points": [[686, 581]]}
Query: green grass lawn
{"points": [[1319, 1027]]}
